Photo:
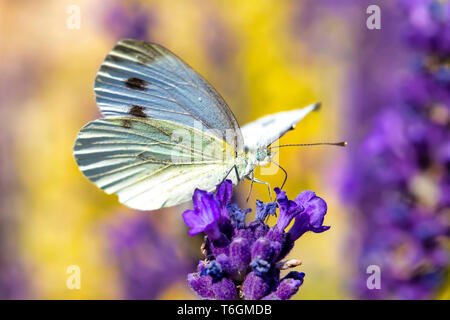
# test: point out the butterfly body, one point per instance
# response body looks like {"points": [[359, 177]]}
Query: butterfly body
{"points": [[166, 131]]}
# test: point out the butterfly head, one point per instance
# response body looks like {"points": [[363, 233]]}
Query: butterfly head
{"points": [[263, 156]]}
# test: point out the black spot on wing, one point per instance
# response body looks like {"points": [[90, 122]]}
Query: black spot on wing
{"points": [[126, 123], [137, 111], [136, 84]]}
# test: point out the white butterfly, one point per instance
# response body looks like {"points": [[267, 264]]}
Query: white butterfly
{"points": [[166, 131]]}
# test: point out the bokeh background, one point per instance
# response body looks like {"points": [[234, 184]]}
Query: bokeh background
{"points": [[384, 91]]}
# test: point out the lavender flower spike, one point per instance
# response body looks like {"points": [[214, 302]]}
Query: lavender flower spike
{"points": [[404, 147], [245, 263]]}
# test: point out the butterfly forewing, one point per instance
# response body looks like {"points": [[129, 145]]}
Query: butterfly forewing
{"points": [[146, 80], [150, 163], [266, 130]]}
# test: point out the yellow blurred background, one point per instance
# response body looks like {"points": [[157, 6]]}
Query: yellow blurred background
{"points": [[250, 51]]}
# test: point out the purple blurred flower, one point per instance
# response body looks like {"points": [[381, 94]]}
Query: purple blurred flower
{"points": [[218, 40], [399, 171], [245, 260], [128, 21], [147, 260], [15, 278]]}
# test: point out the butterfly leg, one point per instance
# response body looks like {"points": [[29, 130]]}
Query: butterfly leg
{"points": [[251, 184], [228, 173], [266, 183], [237, 174]]}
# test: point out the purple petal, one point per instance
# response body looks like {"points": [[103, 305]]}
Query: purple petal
{"points": [[224, 289], [240, 256], [288, 209], [315, 206], [288, 288], [237, 215], [202, 285], [255, 287], [311, 219], [205, 215], [226, 263], [206, 205], [264, 209], [262, 249], [224, 193], [193, 221]]}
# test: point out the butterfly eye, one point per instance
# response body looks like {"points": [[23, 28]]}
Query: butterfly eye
{"points": [[261, 154]]}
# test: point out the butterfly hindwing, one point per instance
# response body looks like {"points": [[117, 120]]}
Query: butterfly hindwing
{"points": [[150, 163], [143, 79]]}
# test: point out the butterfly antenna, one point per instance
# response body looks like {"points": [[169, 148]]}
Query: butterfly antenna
{"points": [[285, 173], [339, 144]]}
